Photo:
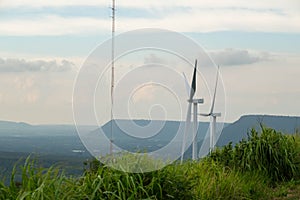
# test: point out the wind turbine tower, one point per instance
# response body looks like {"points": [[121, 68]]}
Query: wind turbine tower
{"points": [[194, 102], [213, 116]]}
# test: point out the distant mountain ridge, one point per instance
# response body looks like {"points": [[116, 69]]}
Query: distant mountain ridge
{"points": [[238, 130], [19, 136], [10, 128], [10, 124], [141, 135]]}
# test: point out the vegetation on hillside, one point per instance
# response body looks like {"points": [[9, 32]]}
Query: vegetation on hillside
{"points": [[270, 152], [266, 166]]}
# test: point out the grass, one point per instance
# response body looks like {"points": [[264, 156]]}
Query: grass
{"points": [[269, 152], [243, 171]]}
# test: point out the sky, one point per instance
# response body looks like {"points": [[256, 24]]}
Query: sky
{"points": [[43, 45]]}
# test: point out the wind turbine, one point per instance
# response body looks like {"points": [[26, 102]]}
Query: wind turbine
{"points": [[194, 102], [213, 116]]}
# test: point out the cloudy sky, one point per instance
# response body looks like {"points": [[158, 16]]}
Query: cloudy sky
{"points": [[44, 43]]}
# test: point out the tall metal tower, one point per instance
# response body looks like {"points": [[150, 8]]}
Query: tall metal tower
{"points": [[112, 73]]}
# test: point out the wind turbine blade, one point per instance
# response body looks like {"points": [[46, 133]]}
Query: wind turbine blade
{"points": [[204, 115], [187, 86], [187, 127], [194, 83], [214, 97]]}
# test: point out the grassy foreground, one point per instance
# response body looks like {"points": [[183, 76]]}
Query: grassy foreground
{"points": [[266, 166]]}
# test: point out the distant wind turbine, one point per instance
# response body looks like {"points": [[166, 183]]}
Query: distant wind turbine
{"points": [[213, 116], [195, 102]]}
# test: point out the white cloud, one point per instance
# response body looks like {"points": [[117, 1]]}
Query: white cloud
{"points": [[217, 20], [189, 16], [238, 57], [21, 65], [41, 97], [32, 97], [266, 4], [37, 97], [24, 83], [52, 25], [266, 86], [259, 88], [195, 21], [146, 93], [153, 58]]}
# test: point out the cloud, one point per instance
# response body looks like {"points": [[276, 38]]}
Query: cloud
{"points": [[188, 21], [52, 25], [146, 93], [256, 88], [154, 59], [37, 97], [32, 97], [21, 65], [182, 16], [24, 83], [238, 57], [157, 4]]}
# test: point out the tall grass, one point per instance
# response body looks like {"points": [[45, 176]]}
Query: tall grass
{"points": [[269, 152], [244, 171], [211, 180], [192, 180], [108, 183]]}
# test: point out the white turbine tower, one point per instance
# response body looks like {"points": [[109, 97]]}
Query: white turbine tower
{"points": [[195, 103], [213, 116]]}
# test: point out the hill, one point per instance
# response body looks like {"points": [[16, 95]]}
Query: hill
{"points": [[238, 130], [64, 140]]}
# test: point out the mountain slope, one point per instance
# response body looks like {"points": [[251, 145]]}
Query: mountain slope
{"points": [[239, 129]]}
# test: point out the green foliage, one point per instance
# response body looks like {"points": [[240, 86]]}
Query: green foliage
{"points": [[296, 180], [109, 183], [36, 183], [211, 180], [243, 171], [192, 180], [269, 152]]}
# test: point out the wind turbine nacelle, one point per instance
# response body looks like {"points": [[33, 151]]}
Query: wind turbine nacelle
{"points": [[216, 114], [196, 100]]}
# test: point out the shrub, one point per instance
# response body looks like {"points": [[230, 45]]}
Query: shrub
{"points": [[107, 183], [212, 180], [270, 152]]}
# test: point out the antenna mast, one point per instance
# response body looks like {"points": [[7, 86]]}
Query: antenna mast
{"points": [[112, 73]]}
